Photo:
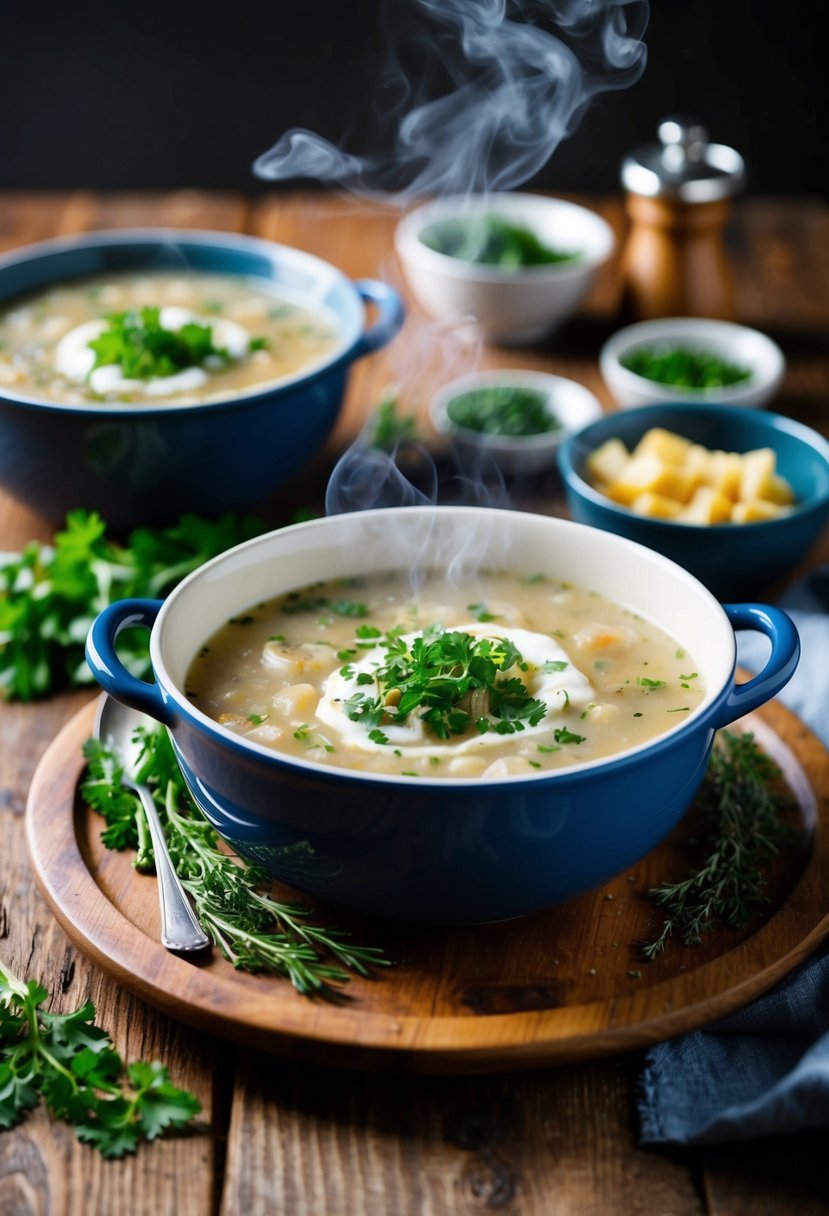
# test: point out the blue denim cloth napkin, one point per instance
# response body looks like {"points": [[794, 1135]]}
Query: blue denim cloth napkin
{"points": [[763, 1070]]}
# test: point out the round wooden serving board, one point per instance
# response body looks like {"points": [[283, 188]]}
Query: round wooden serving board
{"points": [[565, 984]]}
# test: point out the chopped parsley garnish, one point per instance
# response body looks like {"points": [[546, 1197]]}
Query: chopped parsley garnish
{"points": [[548, 748], [685, 368], [481, 613], [349, 608], [455, 683], [259, 343], [644, 682], [554, 665], [342, 655], [301, 732], [562, 735], [368, 631], [377, 736], [258, 719], [137, 343], [305, 603]]}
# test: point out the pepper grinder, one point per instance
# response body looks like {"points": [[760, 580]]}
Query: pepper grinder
{"points": [[678, 196]]}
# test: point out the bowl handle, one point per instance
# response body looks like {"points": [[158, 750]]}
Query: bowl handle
{"points": [[108, 669], [391, 315], [779, 669]]}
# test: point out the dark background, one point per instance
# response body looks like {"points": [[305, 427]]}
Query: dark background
{"points": [[95, 94]]}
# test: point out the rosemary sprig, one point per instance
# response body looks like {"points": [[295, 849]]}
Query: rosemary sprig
{"points": [[233, 900], [741, 829]]}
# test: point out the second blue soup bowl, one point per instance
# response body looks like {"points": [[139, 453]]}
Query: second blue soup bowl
{"points": [[441, 850], [140, 464]]}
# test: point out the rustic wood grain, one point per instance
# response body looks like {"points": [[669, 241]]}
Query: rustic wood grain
{"points": [[558, 1143], [293, 1149]]}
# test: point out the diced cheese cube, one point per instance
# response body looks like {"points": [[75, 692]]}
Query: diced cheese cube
{"points": [[698, 464], [726, 473], [779, 491], [670, 448], [657, 506], [757, 472], [754, 511], [608, 461], [648, 472], [707, 506]]}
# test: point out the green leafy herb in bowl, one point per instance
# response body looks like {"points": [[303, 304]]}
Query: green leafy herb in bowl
{"points": [[512, 419], [691, 360], [503, 409], [684, 367], [491, 240]]}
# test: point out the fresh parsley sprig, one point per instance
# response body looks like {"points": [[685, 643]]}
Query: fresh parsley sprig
{"points": [[453, 681], [233, 900], [741, 830], [50, 594], [137, 343], [71, 1064]]}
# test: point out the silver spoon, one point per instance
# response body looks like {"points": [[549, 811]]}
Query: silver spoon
{"points": [[180, 930]]}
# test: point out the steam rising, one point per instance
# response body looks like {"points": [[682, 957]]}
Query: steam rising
{"points": [[514, 90]]}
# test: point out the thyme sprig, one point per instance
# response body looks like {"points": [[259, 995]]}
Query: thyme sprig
{"points": [[233, 900], [742, 831]]}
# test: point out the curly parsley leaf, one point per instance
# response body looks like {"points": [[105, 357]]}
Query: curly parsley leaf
{"points": [[453, 681], [137, 343]]}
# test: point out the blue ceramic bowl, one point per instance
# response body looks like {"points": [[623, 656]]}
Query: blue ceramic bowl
{"points": [[733, 560], [441, 850], [146, 464]]}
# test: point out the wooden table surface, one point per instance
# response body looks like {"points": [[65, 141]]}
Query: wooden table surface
{"points": [[295, 1140]]}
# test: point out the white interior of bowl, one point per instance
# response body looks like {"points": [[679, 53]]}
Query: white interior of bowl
{"points": [[737, 344], [560, 224], [456, 540]]}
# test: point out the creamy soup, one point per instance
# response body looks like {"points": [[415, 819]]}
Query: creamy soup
{"points": [[178, 336], [506, 675]]}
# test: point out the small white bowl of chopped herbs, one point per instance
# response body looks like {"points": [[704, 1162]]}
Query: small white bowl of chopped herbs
{"points": [[519, 264], [513, 419], [688, 359]]}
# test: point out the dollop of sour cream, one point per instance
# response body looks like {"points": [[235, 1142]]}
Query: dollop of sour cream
{"points": [[74, 359], [556, 689]]}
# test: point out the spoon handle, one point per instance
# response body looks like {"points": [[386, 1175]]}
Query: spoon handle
{"points": [[180, 929]]}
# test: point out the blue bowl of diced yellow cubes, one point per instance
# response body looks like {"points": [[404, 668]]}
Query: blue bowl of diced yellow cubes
{"points": [[737, 496]]}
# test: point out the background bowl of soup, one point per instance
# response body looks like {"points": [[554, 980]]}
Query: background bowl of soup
{"points": [[519, 264], [217, 369], [586, 785], [740, 554]]}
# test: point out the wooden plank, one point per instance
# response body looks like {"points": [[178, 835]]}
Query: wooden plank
{"points": [[315, 1143], [42, 1166]]}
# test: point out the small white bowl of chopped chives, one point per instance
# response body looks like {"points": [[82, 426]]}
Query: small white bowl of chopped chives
{"points": [[512, 419], [688, 359], [518, 264]]}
